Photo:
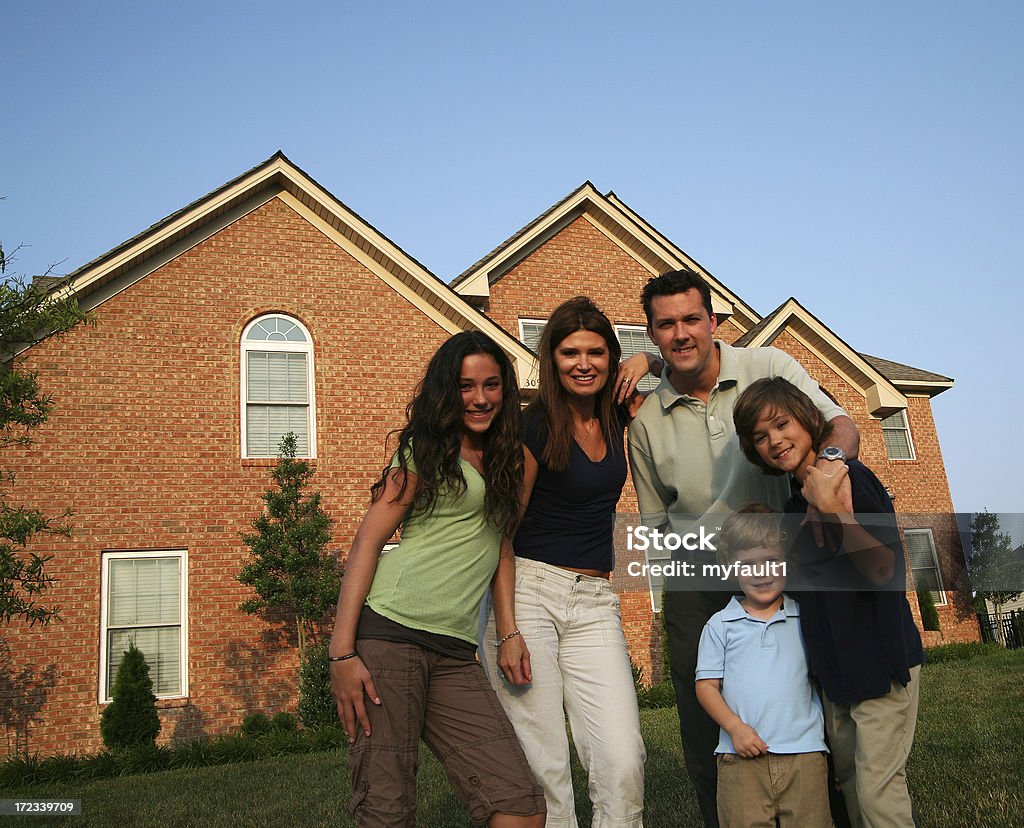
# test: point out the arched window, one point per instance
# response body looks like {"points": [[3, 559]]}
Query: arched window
{"points": [[277, 386]]}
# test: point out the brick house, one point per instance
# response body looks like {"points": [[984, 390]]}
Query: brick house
{"points": [[268, 306]]}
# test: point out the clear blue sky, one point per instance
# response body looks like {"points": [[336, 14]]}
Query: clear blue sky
{"points": [[865, 158]]}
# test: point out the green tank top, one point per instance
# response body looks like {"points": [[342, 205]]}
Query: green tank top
{"points": [[436, 576]]}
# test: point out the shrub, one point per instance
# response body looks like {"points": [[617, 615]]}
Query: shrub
{"points": [[317, 706], [960, 652], [256, 724], [284, 723], [929, 615], [662, 694], [131, 718]]}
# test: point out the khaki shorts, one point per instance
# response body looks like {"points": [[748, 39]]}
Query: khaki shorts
{"points": [[790, 786], [450, 705]]}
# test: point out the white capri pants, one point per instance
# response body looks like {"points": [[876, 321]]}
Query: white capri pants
{"points": [[572, 626]]}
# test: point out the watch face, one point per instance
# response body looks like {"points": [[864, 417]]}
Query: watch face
{"points": [[833, 453]]}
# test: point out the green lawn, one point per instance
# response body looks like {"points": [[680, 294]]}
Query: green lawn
{"points": [[966, 770]]}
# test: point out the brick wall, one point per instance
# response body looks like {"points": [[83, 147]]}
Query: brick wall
{"points": [[144, 447]]}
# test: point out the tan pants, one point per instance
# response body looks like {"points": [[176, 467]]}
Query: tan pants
{"points": [[870, 743], [790, 786]]}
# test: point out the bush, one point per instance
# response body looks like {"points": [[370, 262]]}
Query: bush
{"points": [[929, 615], [317, 706], [658, 695], [131, 718], [256, 724], [284, 723], [959, 652]]}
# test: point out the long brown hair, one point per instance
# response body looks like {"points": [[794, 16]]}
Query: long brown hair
{"points": [[432, 437], [578, 314]]}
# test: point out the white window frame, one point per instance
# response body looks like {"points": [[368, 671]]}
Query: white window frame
{"points": [[106, 558], [522, 329], [648, 383], [657, 593], [288, 347], [940, 594], [904, 427]]}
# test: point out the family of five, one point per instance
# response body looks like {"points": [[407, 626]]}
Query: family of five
{"points": [[506, 521]]}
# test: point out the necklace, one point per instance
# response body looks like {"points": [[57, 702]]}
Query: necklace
{"points": [[587, 431]]}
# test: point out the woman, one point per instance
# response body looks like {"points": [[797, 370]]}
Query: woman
{"points": [[556, 631], [405, 632]]}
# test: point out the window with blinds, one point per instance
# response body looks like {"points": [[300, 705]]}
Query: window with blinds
{"points": [[924, 563], [530, 331], [277, 386], [634, 340], [896, 433], [143, 600]]}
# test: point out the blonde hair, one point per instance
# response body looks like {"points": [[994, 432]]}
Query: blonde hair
{"points": [[753, 526]]}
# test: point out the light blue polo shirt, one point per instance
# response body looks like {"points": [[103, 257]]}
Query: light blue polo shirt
{"points": [[764, 676]]}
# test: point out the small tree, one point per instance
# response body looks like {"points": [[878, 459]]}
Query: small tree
{"points": [[995, 572], [290, 569], [131, 718], [29, 313]]}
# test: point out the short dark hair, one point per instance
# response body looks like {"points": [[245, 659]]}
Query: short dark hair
{"points": [[776, 394], [673, 282], [750, 527]]}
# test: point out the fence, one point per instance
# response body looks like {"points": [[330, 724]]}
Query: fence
{"points": [[1009, 630]]}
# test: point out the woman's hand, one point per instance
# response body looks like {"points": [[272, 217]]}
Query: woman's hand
{"points": [[352, 685], [514, 661], [631, 371]]}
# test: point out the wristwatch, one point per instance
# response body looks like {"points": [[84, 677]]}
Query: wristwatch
{"points": [[832, 453]]}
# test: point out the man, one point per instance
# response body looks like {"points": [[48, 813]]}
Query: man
{"points": [[687, 463]]}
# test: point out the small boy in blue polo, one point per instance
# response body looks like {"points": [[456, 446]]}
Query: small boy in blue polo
{"points": [[752, 679]]}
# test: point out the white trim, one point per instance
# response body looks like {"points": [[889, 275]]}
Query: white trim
{"points": [[103, 693], [906, 429], [648, 382], [941, 592], [529, 321], [657, 596], [277, 346]]}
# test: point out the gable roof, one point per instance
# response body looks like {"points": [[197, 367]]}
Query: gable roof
{"points": [[883, 398], [624, 226], [278, 177], [791, 314]]}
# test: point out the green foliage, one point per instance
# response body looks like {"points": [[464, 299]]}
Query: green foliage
{"points": [[961, 651], [291, 569], [995, 572], [29, 313], [19, 771], [929, 615], [284, 722], [317, 705], [131, 718], [256, 724], [657, 695]]}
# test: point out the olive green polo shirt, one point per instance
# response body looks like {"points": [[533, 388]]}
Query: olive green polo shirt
{"points": [[685, 457]]}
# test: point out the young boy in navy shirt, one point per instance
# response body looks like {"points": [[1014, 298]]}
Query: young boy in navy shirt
{"points": [[752, 680], [862, 644]]}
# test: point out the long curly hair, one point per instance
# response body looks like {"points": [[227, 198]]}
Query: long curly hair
{"points": [[430, 443], [577, 314]]}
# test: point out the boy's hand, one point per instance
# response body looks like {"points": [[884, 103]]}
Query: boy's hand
{"points": [[825, 491], [746, 741]]}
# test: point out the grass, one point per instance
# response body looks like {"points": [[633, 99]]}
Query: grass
{"points": [[966, 770]]}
